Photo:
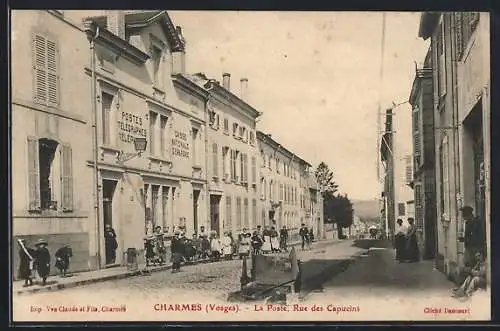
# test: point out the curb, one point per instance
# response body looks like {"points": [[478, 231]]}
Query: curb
{"points": [[58, 287]]}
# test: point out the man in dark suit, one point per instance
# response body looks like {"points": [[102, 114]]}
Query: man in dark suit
{"points": [[474, 238]]}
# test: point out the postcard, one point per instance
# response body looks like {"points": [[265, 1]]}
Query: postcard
{"points": [[250, 166]]}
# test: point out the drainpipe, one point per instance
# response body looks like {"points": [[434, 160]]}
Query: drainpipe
{"points": [[95, 148], [207, 198], [456, 139]]}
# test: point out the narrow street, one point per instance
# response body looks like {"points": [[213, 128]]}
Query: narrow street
{"points": [[389, 289]]}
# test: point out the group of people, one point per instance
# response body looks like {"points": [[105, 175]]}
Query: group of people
{"points": [[37, 260], [406, 242]]}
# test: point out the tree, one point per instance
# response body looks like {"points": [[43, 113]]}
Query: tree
{"points": [[324, 177], [343, 212]]}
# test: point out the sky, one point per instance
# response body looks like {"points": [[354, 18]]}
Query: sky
{"points": [[316, 78]]}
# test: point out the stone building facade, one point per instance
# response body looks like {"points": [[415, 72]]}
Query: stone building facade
{"points": [[423, 180], [139, 94], [51, 183], [461, 93]]}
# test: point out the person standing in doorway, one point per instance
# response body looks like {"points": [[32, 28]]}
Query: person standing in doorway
{"points": [[110, 244], [42, 260], [412, 251], [177, 249], [400, 241], [26, 261], [474, 238]]}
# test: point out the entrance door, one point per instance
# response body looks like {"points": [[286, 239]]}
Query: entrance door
{"points": [[108, 190], [214, 212], [196, 196]]}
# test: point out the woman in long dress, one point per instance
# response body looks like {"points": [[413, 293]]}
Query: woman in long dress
{"points": [[215, 247], [266, 236], [400, 241], [412, 252], [275, 245], [227, 246]]}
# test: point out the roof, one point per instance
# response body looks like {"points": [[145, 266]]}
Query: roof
{"points": [[138, 19], [267, 138], [428, 22], [214, 86], [189, 83]]}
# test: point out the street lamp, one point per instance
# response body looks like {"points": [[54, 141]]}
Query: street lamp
{"points": [[139, 145]]}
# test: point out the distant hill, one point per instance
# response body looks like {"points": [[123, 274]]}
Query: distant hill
{"points": [[366, 208]]}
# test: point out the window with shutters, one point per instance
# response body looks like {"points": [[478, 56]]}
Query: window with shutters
{"points": [[246, 216], [195, 134], [441, 59], [229, 213], [271, 196], [238, 214], [226, 126], [50, 175], [164, 150], [242, 167], [252, 138], [152, 132], [215, 160], [254, 212], [254, 170], [45, 70], [106, 103], [418, 206], [226, 162]]}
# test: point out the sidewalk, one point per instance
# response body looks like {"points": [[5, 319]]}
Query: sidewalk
{"points": [[55, 283]]}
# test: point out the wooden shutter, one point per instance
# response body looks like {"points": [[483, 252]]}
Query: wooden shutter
{"points": [[45, 70], [33, 175], [52, 73], [67, 178], [254, 170], [215, 156], [39, 52]]}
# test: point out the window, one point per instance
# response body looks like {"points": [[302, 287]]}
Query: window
{"points": [[229, 213], [281, 192], [194, 143], [155, 189], [235, 129], [252, 138], [45, 71], [444, 178], [254, 170], [50, 175], [226, 125], [215, 159], [238, 213], [245, 168], [107, 102], [401, 209], [242, 132], [465, 24], [417, 146], [408, 169], [152, 132], [226, 165], [242, 167], [163, 136], [263, 187], [254, 212], [441, 60], [271, 196], [234, 169], [418, 206], [156, 57], [246, 218], [164, 208], [269, 161]]}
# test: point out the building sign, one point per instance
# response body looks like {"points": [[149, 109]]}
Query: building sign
{"points": [[180, 145], [130, 126]]}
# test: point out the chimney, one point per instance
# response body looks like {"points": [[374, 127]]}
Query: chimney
{"points": [[178, 62], [226, 81], [116, 22], [244, 88]]}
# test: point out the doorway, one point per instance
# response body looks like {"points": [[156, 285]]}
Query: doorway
{"points": [[110, 245], [196, 197], [214, 212]]}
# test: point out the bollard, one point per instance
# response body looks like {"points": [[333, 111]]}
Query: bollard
{"points": [[132, 259], [244, 280]]}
